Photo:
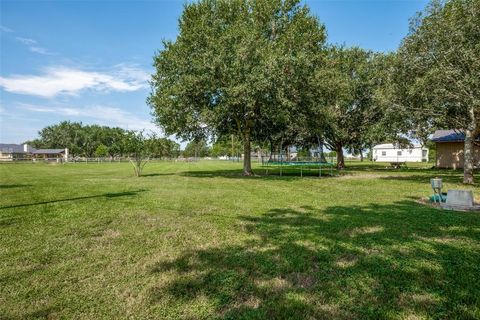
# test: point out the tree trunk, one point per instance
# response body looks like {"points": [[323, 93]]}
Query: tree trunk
{"points": [[271, 151], [136, 167], [361, 156], [468, 157], [247, 163], [321, 154], [340, 157], [470, 135]]}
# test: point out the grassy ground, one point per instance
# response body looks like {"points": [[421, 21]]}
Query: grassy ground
{"points": [[198, 241]]}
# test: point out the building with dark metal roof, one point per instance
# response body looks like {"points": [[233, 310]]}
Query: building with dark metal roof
{"points": [[49, 153], [450, 145]]}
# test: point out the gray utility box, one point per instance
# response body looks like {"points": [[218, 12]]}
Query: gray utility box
{"points": [[436, 183]]}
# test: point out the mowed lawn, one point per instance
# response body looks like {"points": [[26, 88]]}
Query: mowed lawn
{"points": [[199, 241]]}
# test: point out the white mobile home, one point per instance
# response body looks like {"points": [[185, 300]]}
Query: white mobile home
{"points": [[389, 152]]}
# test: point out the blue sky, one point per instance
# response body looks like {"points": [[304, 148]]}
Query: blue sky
{"points": [[90, 61]]}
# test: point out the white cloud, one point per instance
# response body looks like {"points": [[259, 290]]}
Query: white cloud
{"points": [[105, 115], [33, 46], [60, 111], [61, 80], [26, 41], [5, 29], [119, 117], [40, 50], [132, 72]]}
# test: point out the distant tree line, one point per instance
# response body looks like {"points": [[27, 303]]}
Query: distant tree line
{"points": [[102, 141], [229, 147], [263, 72]]}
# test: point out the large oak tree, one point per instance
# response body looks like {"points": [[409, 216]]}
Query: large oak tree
{"points": [[236, 67], [437, 82], [344, 107]]}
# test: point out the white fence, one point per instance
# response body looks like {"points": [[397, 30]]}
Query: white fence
{"points": [[87, 160]]}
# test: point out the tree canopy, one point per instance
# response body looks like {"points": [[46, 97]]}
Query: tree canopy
{"points": [[196, 148], [344, 110], [436, 81], [98, 141], [236, 68]]}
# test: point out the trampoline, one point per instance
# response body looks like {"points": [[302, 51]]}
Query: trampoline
{"points": [[302, 165]]}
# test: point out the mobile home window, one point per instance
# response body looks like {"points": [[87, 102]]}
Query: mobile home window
{"points": [[399, 153], [424, 153], [384, 153]]}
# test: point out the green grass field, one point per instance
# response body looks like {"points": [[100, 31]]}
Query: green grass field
{"points": [[199, 241]]}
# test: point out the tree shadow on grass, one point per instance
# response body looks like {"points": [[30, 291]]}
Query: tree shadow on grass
{"points": [[45, 313], [447, 178], [385, 167], [231, 174], [414, 174], [107, 195], [259, 173], [11, 186], [273, 173], [372, 261], [156, 174]]}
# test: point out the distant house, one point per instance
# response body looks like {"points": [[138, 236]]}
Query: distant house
{"points": [[12, 152], [46, 154], [389, 152], [450, 147]]}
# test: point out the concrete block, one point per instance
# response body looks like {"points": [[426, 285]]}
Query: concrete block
{"points": [[459, 199]]}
